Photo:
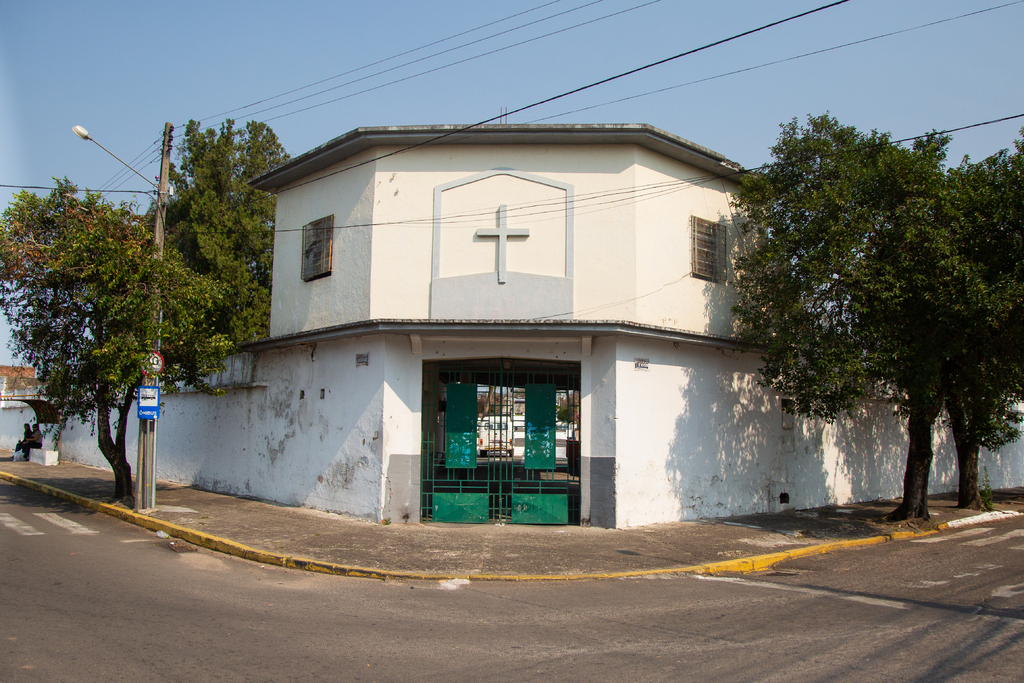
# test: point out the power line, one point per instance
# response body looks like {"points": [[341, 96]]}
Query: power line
{"points": [[580, 89], [40, 187], [633, 193], [125, 171], [777, 61], [388, 59], [408, 63], [438, 68]]}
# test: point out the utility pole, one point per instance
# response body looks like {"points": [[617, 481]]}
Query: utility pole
{"points": [[145, 472]]}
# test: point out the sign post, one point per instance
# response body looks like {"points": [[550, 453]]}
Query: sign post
{"points": [[148, 400]]}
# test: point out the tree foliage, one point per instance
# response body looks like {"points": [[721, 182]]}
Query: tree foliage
{"points": [[853, 284], [80, 289], [221, 225], [986, 375]]}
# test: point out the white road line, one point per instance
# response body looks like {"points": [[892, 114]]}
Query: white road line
{"points": [[954, 536], [879, 602], [15, 524], [1009, 591], [996, 539], [73, 527], [984, 517]]}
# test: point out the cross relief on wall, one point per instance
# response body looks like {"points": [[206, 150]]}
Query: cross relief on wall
{"points": [[532, 229], [515, 263], [503, 232]]}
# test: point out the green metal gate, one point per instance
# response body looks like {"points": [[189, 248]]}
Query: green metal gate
{"points": [[501, 441]]}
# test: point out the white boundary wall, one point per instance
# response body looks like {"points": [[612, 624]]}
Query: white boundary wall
{"points": [[691, 436]]}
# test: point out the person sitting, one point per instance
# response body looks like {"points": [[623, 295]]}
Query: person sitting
{"points": [[21, 444], [32, 440]]}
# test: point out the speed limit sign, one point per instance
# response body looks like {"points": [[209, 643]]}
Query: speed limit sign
{"points": [[154, 363]]}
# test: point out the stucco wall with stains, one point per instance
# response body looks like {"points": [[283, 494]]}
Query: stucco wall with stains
{"points": [[696, 436], [669, 431]]}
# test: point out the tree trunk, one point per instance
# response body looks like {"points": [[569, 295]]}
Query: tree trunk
{"points": [[112, 450], [919, 464], [968, 494]]}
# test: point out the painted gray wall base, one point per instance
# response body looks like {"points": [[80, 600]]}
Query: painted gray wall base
{"points": [[598, 474], [402, 489], [524, 296]]}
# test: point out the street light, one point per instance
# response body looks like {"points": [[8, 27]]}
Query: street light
{"points": [[84, 134], [145, 471]]}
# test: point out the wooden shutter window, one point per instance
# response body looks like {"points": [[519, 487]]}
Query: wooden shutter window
{"points": [[707, 250], [317, 248]]}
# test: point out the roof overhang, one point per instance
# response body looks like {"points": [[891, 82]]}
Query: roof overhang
{"points": [[497, 331], [45, 412], [362, 139]]}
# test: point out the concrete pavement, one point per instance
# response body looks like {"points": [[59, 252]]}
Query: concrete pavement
{"points": [[319, 541]]}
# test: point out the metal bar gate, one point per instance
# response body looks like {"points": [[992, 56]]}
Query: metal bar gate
{"points": [[501, 441]]}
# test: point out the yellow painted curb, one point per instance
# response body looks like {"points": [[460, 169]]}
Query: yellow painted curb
{"points": [[739, 565]]}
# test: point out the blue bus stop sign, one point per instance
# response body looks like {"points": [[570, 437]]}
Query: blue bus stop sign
{"points": [[149, 403]]}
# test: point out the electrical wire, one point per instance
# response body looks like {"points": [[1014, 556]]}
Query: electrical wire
{"points": [[41, 187], [614, 198], [777, 61], [392, 57], [436, 69], [580, 89], [126, 167]]}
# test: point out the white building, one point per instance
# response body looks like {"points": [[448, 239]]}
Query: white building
{"points": [[524, 323]]}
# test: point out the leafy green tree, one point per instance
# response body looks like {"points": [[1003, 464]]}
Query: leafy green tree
{"points": [[986, 377], [80, 286], [851, 280], [223, 227]]}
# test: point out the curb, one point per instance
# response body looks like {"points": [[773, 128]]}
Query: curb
{"points": [[740, 565]]}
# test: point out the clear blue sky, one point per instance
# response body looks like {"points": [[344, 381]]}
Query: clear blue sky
{"points": [[122, 69]]}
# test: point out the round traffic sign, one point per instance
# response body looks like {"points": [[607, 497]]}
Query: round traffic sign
{"points": [[154, 364]]}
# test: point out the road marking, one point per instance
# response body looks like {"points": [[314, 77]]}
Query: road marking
{"points": [[878, 602], [73, 527], [984, 517], [997, 539], [954, 536], [927, 584], [15, 524], [1009, 591]]}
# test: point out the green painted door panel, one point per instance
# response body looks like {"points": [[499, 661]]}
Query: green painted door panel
{"points": [[539, 442], [551, 508], [461, 507], [460, 428]]}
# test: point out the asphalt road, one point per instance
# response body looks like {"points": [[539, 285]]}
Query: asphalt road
{"points": [[84, 597]]}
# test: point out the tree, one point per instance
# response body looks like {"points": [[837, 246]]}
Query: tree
{"points": [[221, 225], [851, 282], [987, 376], [80, 288]]}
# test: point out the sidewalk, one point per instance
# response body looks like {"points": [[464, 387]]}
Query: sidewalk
{"points": [[450, 550]]}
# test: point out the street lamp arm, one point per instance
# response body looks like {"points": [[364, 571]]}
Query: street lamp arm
{"points": [[84, 134]]}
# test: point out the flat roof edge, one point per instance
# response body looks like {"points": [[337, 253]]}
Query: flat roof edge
{"points": [[361, 139], [511, 329]]}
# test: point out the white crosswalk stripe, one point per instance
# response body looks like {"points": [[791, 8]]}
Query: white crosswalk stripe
{"points": [[15, 524], [957, 536], [73, 527], [996, 539]]}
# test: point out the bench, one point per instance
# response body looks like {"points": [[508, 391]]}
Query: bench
{"points": [[41, 456]]}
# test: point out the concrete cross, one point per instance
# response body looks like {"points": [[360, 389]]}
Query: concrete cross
{"points": [[502, 232]]}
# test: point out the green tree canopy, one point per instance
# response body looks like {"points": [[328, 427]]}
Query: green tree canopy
{"points": [[852, 282], [986, 375], [80, 289], [221, 225]]}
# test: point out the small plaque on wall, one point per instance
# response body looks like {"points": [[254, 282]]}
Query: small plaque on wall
{"points": [[362, 359], [642, 364]]}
